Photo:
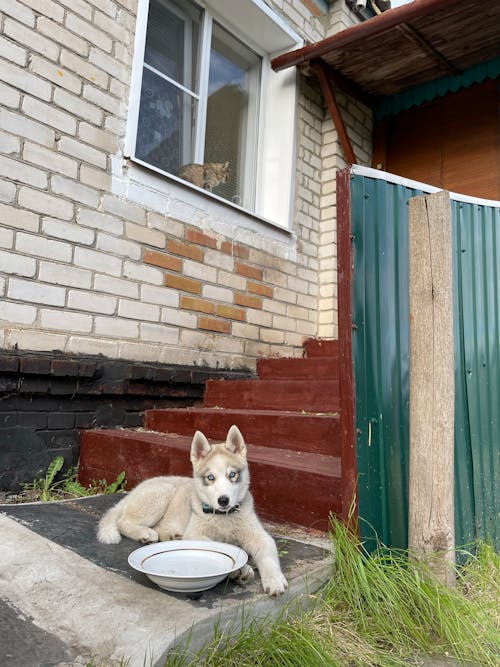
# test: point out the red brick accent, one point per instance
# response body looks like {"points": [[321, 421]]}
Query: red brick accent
{"points": [[211, 324], [162, 260], [248, 271], [262, 290], [248, 301], [231, 313], [183, 284], [185, 250], [236, 250], [201, 239], [192, 303]]}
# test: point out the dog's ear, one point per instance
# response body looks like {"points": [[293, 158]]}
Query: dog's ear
{"points": [[200, 447], [235, 442]]}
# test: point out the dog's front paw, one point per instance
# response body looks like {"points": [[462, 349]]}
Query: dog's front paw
{"points": [[243, 576], [147, 536], [167, 536], [275, 585]]}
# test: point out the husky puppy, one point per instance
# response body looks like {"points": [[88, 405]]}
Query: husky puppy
{"points": [[215, 504]]}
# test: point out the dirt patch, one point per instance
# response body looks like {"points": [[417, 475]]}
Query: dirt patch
{"points": [[30, 496]]}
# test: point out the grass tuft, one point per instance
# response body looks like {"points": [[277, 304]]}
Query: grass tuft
{"points": [[379, 610], [397, 604]]}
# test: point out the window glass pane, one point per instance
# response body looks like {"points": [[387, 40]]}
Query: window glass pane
{"points": [[166, 111], [172, 40], [166, 116], [232, 110]]}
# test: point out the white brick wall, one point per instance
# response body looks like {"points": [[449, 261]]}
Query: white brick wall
{"points": [[67, 321], [43, 157], [59, 274], [19, 171], [36, 245], [18, 11], [98, 261], [91, 302], [94, 261], [17, 265], [44, 203], [70, 232], [36, 292]]}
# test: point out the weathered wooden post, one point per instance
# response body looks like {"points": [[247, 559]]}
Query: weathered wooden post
{"points": [[431, 534]]}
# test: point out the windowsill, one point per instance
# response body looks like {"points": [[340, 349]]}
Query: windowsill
{"points": [[176, 189]]}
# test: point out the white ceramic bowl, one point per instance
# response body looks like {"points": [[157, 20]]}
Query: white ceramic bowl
{"points": [[187, 566]]}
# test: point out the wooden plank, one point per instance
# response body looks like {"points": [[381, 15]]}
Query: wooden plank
{"points": [[346, 362], [416, 37], [431, 532]]}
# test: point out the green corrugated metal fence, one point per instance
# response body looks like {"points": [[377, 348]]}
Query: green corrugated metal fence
{"points": [[381, 358]]}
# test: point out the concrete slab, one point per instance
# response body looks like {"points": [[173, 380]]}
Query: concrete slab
{"points": [[66, 599]]}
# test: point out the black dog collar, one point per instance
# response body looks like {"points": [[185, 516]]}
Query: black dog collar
{"points": [[212, 510]]}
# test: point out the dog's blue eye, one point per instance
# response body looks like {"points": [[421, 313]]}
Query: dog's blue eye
{"points": [[233, 475], [211, 478]]}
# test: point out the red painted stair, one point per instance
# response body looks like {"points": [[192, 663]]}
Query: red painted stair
{"points": [[297, 431], [289, 417], [294, 395]]}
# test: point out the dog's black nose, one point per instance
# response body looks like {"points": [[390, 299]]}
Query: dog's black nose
{"points": [[223, 501]]}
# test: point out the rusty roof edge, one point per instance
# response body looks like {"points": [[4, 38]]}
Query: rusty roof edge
{"points": [[374, 26]]}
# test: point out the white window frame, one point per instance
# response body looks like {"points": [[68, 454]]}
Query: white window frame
{"points": [[268, 35]]}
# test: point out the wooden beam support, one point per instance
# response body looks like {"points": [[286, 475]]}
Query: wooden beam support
{"points": [[431, 531], [347, 86], [321, 71]]}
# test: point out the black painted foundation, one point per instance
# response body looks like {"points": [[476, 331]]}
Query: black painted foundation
{"points": [[47, 399]]}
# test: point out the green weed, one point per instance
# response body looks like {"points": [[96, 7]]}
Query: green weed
{"points": [[58, 485], [395, 604], [378, 610]]}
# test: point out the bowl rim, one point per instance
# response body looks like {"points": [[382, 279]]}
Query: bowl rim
{"points": [[137, 557]]}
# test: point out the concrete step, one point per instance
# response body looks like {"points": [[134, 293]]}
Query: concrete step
{"points": [[314, 368], [314, 433], [68, 600], [316, 347], [294, 487], [307, 396]]}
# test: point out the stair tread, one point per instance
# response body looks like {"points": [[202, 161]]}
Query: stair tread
{"points": [[299, 431], [293, 395], [247, 411], [320, 347], [323, 464], [313, 481], [298, 368], [283, 381]]}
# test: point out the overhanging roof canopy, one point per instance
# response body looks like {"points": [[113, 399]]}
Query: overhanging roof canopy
{"points": [[404, 47]]}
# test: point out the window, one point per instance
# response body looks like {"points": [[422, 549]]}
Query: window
{"points": [[200, 91]]}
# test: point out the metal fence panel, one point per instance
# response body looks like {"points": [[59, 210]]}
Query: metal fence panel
{"points": [[477, 286], [381, 360]]}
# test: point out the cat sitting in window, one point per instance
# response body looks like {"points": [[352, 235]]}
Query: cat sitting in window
{"points": [[207, 175]]}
